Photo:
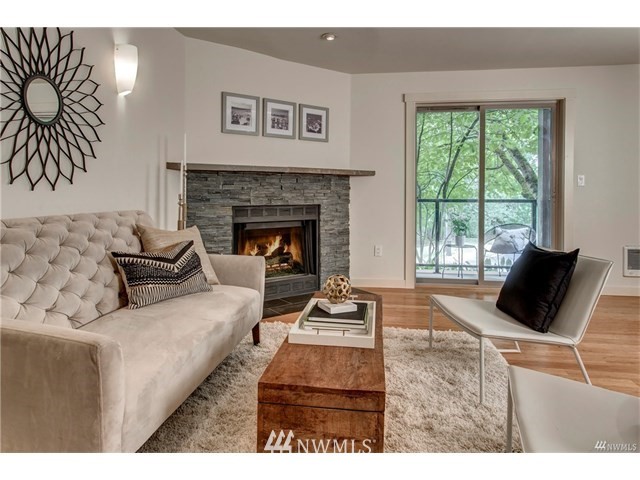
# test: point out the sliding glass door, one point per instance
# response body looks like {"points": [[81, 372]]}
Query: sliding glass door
{"points": [[486, 184], [518, 183], [447, 188]]}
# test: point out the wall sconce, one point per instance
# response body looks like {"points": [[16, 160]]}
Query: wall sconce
{"points": [[126, 64]]}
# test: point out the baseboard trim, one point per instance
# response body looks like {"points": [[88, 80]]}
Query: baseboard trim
{"points": [[622, 291], [379, 283]]}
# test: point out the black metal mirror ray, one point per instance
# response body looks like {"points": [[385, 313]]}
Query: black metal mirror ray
{"points": [[47, 106]]}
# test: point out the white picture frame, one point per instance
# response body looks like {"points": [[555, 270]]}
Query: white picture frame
{"points": [[314, 123], [279, 118], [240, 113]]}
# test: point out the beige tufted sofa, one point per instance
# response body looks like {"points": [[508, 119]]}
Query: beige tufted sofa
{"points": [[80, 371]]}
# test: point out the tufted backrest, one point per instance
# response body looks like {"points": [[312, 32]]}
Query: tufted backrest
{"points": [[56, 269]]}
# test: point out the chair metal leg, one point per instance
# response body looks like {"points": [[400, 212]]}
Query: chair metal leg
{"points": [[481, 370], [430, 325], [509, 447], [581, 365]]}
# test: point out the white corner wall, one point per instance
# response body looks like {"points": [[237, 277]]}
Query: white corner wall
{"points": [[212, 69], [142, 132], [178, 90], [605, 213]]}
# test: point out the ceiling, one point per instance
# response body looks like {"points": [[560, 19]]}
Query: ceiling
{"points": [[386, 50]]}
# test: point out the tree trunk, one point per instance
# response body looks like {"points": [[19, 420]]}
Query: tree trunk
{"points": [[528, 185]]}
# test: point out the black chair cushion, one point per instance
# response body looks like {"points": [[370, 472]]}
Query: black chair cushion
{"points": [[535, 286]]}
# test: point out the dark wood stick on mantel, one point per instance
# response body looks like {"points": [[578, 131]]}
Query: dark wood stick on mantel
{"points": [[210, 167]]}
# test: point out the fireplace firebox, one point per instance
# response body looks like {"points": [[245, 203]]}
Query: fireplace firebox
{"points": [[287, 237]]}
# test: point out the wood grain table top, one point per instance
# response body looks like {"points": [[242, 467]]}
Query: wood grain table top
{"points": [[327, 376]]}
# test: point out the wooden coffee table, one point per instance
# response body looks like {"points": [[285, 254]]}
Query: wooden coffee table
{"points": [[334, 396]]}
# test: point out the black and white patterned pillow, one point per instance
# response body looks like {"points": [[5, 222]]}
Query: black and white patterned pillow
{"points": [[151, 277]]}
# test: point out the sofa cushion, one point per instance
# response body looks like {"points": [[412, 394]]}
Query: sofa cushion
{"points": [[169, 348], [56, 270], [155, 239], [151, 277]]}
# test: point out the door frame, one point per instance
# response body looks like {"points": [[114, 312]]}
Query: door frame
{"points": [[565, 123]]}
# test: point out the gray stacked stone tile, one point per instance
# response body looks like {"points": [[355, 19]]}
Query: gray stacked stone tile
{"points": [[211, 196]]}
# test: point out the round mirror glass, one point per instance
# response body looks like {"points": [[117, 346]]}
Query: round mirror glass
{"points": [[42, 100]]}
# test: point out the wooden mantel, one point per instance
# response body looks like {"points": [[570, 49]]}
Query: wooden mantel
{"points": [[209, 167]]}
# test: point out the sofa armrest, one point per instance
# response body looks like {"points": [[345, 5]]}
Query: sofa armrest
{"points": [[62, 390], [240, 270]]}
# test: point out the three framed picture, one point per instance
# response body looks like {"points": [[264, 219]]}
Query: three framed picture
{"points": [[241, 115]]}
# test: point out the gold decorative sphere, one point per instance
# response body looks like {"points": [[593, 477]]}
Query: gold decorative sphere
{"points": [[337, 288]]}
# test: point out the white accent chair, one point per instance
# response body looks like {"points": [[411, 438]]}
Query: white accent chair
{"points": [[556, 414], [482, 319]]}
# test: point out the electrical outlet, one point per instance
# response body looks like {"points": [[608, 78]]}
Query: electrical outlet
{"points": [[377, 251], [581, 180]]}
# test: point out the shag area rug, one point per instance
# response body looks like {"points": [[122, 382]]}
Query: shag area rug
{"points": [[432, 397]]}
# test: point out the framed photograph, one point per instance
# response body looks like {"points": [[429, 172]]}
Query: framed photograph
{"points": [[240, 113], [314, 123], [279, 118]]}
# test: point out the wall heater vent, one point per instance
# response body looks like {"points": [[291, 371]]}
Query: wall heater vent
{"points": [[631, 261]]}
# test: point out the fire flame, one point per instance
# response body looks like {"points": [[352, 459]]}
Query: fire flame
{"points": [[295, 251], [268, 245], [273, 245]]}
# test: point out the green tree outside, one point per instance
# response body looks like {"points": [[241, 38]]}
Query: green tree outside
{"points": [[447, 168]]}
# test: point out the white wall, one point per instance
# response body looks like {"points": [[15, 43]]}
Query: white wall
{"points": [[142, 131], [180, 83], [605, 213], [212, 69]]}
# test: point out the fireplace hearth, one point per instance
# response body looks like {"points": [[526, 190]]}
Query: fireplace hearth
{"points": [[287, 237]]}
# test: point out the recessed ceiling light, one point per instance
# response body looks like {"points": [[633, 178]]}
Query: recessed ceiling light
{"points": [[328, 36]]}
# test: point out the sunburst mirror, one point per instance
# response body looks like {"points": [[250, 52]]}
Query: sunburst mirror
{"points": [[48, 106]]}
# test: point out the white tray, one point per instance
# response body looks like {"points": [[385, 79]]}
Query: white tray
{"points": [[335, 338]]}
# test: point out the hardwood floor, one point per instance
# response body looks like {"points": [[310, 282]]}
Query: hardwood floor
{"points": [[610, 349]]}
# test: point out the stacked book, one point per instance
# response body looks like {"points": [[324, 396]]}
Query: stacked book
{"points": [[316, 326], [345, 316]]}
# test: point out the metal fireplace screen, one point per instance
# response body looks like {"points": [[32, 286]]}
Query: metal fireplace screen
{"points": [[282, 244], [287, 237]]}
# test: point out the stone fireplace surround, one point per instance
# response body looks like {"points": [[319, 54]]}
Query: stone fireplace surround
{"points": [[211, 196]]}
